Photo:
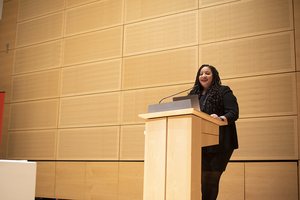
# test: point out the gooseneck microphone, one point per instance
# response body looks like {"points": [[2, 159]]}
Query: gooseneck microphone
{"points": [[178, 93]]}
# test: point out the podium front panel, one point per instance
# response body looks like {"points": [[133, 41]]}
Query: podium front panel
{"points": [[183, 158], [155, 159]]}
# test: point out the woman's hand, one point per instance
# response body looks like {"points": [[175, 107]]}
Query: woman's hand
{"points": [[219, 118], [215, 116]]}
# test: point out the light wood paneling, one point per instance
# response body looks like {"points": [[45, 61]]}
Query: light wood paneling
{"points": [[157, 69], [132, 142], [34, 115], [38, 57], [136, 10], [297, 31], [161, 34], [36, 86], [88, 18], [45, 179], [135, 102], [106, 44], [34, 8], [272, 138], [46, 28], [6, 65], [72, 3], [4, 134], [232, 183], [265, 95], [102, 180], [131, 175], [88, 144], [206, 3], [272, 53], [244, 18], [8, 24], [95, 110], [32, 145], [70, 180], [91, 78], [272, 181]]}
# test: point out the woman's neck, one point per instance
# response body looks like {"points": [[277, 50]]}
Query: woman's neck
{"points": [[203, 91]]}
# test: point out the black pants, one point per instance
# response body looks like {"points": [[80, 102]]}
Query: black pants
{"points": [[213, 165]]}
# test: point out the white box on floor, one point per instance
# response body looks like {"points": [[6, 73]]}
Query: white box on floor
{"points": [[17, 180]]}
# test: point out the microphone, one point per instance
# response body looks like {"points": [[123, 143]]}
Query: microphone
{"points": [[178, 93]]}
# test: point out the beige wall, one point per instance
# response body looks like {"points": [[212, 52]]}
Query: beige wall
{"points": [[78, 73]]}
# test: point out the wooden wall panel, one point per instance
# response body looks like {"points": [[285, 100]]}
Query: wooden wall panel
{"points": [[45, 179], [34, 115], [4, 134], [46, 28], [232, 183], [95, 110], [88, 143], [272, 53], [136, 10], [206, 3], [101, 45], [73, 3], [161, 34], [88, 18], [6, 67], [70, 180], [34, 8], [244, 18], [102, 180], [32, 145], [132, 142], [272, 181], [92, 78], [38, 57], [271, 138], [39, 85], [157, 69], [8, 24], [131, 176], [268, 95], [135, 102], [297, 31]]}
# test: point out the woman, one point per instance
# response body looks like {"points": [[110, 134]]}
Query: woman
{"points": [[219, 102]]}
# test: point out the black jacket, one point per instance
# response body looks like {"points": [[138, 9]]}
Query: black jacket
{"points": [[227, 135]]}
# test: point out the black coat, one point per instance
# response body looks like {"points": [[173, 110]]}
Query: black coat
{"points": [[227, 135]]}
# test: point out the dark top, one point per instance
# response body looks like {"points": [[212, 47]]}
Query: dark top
{"points": [[227, 134]]}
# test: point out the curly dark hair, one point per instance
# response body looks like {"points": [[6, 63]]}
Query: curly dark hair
{"points": [[214, 101]]}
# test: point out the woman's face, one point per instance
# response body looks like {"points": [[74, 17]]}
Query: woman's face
{"points": [[205, 77]]}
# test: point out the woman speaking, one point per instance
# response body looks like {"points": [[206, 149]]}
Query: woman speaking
{"points": [[219, 102]]}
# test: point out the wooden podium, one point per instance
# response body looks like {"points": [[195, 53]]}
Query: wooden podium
{"points": [[173, 141]]}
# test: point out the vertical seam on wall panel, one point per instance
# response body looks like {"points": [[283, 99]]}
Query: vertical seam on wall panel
{"points": [[123, 44], [296, 76], [166, 155], [298, 178], [294, 29], [244, 180], [119, 154]]}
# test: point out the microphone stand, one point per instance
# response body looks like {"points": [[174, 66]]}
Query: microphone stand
{"points": [[177, 93]]}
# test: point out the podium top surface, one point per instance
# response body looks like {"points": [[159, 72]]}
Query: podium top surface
{"points": [[188, 111]]}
